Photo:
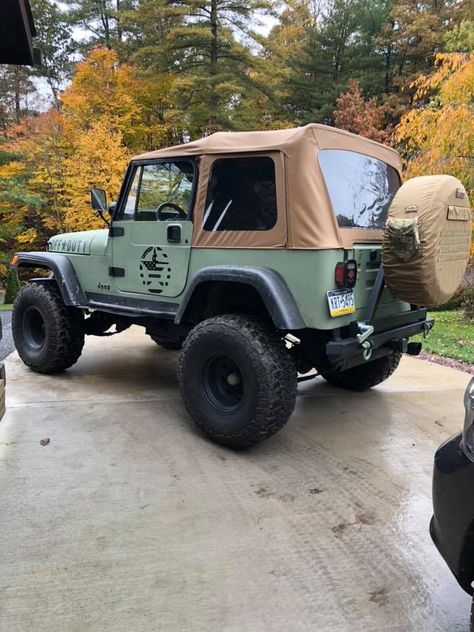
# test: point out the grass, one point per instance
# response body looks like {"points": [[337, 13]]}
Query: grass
{"points": [[452, 337], [5, 308]]}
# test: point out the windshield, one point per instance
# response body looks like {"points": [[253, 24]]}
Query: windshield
{"points": [[360, 187]]}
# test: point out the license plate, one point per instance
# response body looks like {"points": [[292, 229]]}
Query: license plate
{"points": [[341, 302]]}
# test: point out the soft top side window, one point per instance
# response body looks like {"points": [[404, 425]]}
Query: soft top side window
{"points": [[360, 187], [241, 195]]}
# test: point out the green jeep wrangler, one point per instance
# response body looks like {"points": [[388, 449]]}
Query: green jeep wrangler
{"points": [[258, 254]]}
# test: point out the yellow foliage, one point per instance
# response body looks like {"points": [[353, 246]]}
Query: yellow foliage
{"points": [[438, 135], [99, 159], [33, 200], [124, 98], [101, 88], [29, 236]]}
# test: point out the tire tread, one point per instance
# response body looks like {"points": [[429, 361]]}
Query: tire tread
{"points": [[67, 339], [277, 371]]}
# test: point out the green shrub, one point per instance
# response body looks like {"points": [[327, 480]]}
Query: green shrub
{"points": [[467, 303], [12, 287], [453, 303]]}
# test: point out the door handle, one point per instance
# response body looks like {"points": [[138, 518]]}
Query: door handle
{"points": [[173, 233]]}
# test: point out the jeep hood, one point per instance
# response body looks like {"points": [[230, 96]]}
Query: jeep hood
{"points": [[79, 243]]}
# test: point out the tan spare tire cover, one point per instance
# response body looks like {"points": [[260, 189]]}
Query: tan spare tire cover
{"points": [[426, 240]]}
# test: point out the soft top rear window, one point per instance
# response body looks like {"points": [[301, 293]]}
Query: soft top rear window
{"points": [[360, 187]]}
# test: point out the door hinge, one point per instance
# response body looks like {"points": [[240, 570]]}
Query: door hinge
{"points": [[116, 272], [116, 231]]}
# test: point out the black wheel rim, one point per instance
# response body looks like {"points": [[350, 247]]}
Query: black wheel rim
{"points": [[34, 329], [222, 384]]}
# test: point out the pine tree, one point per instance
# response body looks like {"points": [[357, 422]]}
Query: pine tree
{"points": [[12, 287], [207, 52], [54, 39]]}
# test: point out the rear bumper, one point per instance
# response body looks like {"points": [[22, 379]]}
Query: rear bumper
{"points": [[452, 525], [347, 352]]}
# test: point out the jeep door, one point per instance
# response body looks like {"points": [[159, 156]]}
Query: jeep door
{"points": [[152, 229]]}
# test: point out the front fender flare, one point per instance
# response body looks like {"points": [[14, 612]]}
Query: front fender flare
{"points": [[63, 272], [269, 283]]}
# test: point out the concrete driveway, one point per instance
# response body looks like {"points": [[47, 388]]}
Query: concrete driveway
{"points": [[129, 520]]}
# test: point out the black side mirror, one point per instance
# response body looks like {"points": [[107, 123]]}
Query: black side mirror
{"points": [[99, 202]]}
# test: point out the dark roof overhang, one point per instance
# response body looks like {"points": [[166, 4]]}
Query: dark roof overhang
{"points": [[16, 34]]}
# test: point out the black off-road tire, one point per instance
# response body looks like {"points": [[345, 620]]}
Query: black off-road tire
{"points": [[166, 343], [48, 335], [364, 376], [259, 399]]}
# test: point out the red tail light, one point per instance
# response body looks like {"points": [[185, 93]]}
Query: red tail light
{"points": [[345, 274], [339, 274]]}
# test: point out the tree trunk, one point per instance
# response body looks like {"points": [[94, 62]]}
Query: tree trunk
{"points": [[17, 94], [214, 101], [119, 28]]}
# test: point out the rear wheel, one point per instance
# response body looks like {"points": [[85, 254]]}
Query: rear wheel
{"points": [[364, 376], [48, 335], [237, 379]]}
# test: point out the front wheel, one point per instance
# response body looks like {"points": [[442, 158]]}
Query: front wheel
{"points": [[48, 335], [237, 379], [364, 376]]}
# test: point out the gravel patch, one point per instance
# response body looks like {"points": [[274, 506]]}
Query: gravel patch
{"points": [[454, 364], [6, 343]]}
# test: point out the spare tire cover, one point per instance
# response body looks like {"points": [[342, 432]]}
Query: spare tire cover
{"points": [[427, 240]]}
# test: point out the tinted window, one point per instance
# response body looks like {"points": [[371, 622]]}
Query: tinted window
{"points": [[360, 187], [241, 195]]}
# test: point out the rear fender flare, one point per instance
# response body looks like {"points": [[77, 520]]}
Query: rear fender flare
{"points": [[270, 285]]}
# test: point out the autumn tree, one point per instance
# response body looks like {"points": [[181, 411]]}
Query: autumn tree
{"points": [[31, 185], [411, 37], [359, 115], [99, 159], [437, 135], [102, 88]]}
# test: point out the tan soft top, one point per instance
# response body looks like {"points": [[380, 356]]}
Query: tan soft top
{"points": [[278, 140], [309, 220]]}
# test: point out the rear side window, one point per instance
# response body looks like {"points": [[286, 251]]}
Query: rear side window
{"points": [[241, 195], [360, 187]]}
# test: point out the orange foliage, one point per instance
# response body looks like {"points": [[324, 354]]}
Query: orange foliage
{"points": [[360, 116]]}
